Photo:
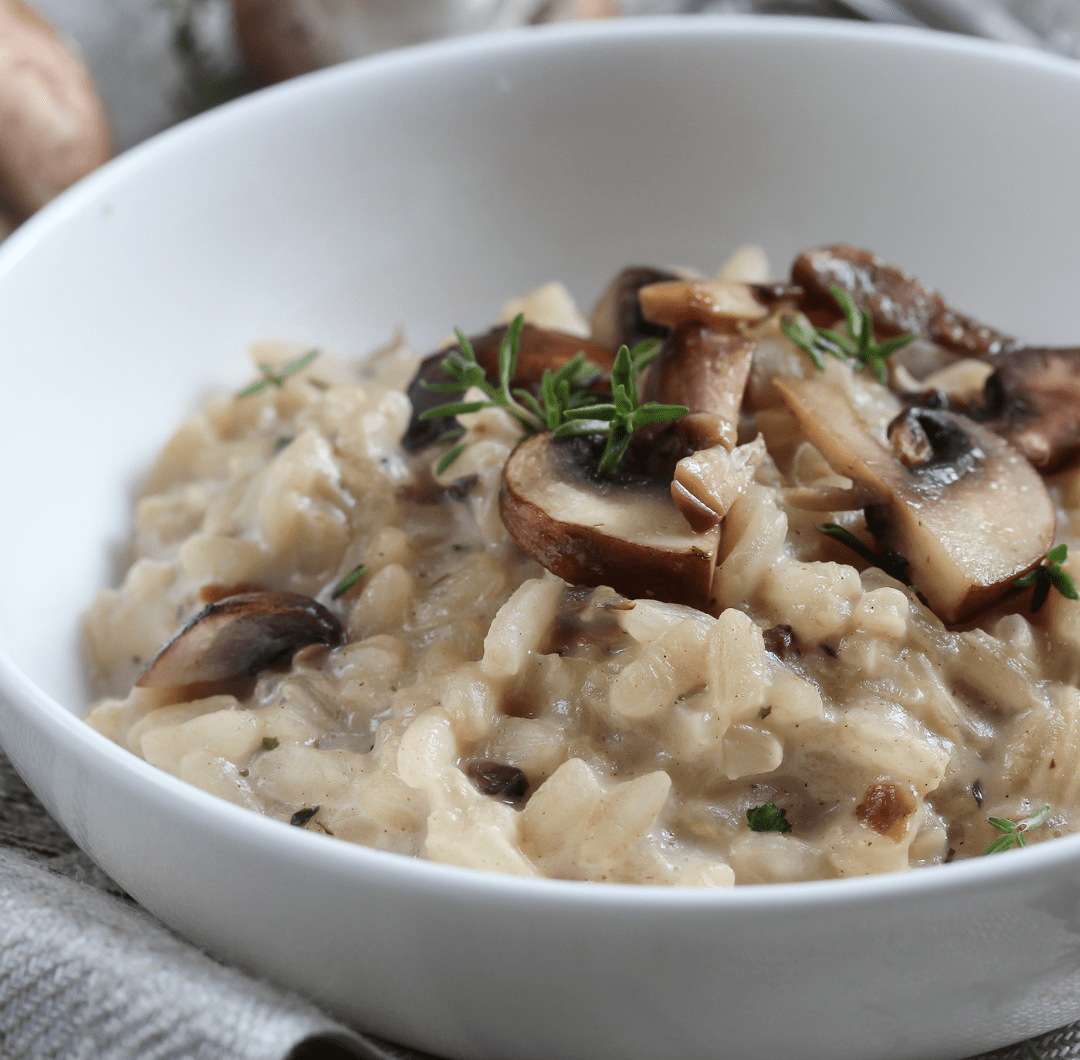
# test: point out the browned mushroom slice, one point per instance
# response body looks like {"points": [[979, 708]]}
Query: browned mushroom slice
{"points": [[967, 511], [616, 318], [898, 303], [538, 349], [706, 371], [720, 304], [1033, 400], [625, 532], [241, 636]]}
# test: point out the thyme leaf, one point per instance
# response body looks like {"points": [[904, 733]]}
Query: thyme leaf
{"points": [[856, 348], [625, 413], [892, 563], [1050, 574], [1014, 833], [272, 378], [767, 818], [348, 582]]}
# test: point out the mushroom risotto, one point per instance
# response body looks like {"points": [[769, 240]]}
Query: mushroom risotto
{"points": [[738, 582]]}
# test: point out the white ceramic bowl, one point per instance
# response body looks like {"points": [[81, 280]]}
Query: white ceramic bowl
{"points": [[421, 189]]}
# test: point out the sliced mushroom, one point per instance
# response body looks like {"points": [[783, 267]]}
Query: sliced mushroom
{"points": [[720, 304], [968, 512], [708, 482], [958, 386], [898, 303], [241, 636], [625, 532], [538, 349], [1033, 400], [706, 371], [616, 318]]}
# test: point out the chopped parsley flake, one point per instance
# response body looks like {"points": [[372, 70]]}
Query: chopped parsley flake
{"points": [[767, 818]]}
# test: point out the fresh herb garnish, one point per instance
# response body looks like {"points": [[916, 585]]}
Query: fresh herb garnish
{"points": [[462, 365], [301, 817], [1032, 1051], [857, 348], [1050, 574], [270, 742], [1014, 833], [767, 818], [564, 406], [892, 563], [626, 413], [272, 378], [348, 581]]}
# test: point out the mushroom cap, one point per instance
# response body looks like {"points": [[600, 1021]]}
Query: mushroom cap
{"points": [[898, 303], [970, 519], [1033, 400], [240, 636], [720, 304], [616, 318], [623, 532]]}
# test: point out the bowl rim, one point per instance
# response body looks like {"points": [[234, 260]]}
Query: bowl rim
{"points": [[345, 860]]}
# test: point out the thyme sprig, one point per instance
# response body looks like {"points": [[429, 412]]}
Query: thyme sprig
{"points": [[462, 365], [625, 413], [564, 405], [856, 348], [1014, 833], [272, 378], [1050, 574]]}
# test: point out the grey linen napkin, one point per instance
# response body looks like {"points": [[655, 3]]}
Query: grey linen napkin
{"points": [[85, 974]]}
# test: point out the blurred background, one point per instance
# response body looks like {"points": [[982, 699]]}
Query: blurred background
{"points": [[152, 63]]}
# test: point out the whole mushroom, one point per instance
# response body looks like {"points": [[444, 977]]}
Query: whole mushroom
{"points": [[53, 128]]}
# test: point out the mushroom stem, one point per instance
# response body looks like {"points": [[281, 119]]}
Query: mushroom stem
{"points": [[706, 371]]}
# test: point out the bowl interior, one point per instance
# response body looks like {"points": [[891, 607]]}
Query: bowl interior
{"points": [[420, 191]]}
